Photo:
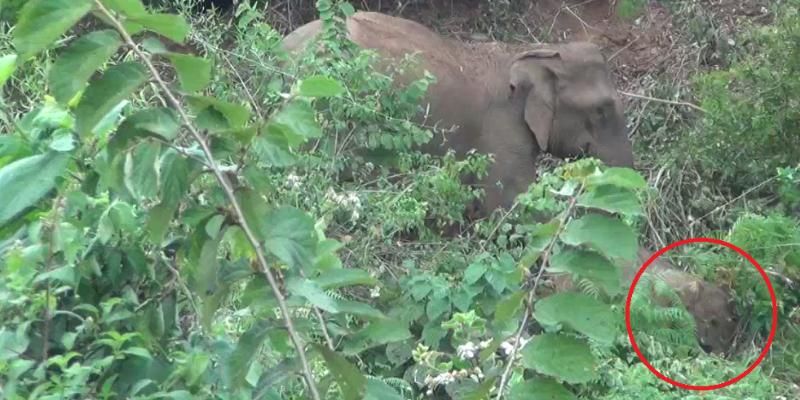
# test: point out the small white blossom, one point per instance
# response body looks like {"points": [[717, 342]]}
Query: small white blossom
{"points": [[467, 351], [485, 343], [293, 181], [375, 292]]}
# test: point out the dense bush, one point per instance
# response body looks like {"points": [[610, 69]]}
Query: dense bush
{"points": [[749, 129]]}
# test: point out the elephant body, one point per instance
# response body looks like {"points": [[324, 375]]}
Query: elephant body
{"points": [[555, 98]]}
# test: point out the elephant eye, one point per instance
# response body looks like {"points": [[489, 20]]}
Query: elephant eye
{"points": [[511, 87]]}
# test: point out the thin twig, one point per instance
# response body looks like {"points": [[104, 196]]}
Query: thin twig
{"points": [[673, 102], [229, 193], [529, 302]]}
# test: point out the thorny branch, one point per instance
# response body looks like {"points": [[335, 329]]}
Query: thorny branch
{"points": [[229, 193]]}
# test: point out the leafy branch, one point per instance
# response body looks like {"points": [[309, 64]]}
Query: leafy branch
{"points": [[229, 193]]}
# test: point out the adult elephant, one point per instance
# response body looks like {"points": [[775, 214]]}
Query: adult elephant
{"points": [[555, 98]]}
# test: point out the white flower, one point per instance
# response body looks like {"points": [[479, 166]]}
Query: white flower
{"points": [[485, 343], [293, 181], [467, 351], [375, 292]]}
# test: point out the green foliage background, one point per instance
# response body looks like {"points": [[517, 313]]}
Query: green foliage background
{"points": [[276, 234]]}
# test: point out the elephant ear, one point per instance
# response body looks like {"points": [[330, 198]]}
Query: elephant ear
{"points": [[530, 70]]}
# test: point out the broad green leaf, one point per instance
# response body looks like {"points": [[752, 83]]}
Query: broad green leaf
{"points": [[8, 63], [540, 389], [562, 357], [611, 198], [379, 390], [176, 175], [625, 178], [157, 122], [79, 61], [343, 277], [158, 219], [352, 382], [141, 178], [474, 272], [359, 309], [247, 348], [289, 235], [172, 26], [209, 110], [320, 86], [609, 235], [313, 293], [580, 312], [42, 22], [27, 180], [273, 149], [590, 265], [139, 352], [194, 73], [104, 93], [295, 123], [508, 307], [377, 333]]}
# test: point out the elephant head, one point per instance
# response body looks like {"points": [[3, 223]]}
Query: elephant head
{"points": [[572, 105]]}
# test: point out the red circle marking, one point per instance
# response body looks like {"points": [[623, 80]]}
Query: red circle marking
{"points": [[771, 332]]}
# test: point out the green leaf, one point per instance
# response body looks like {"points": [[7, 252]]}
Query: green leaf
{"points": [[320, 86], [359, 309], [580, 312], [612, 199], [176, 174], [272, 149], [289, 235], [562, 357], [238, 362], [103, 94], [379, 390], [313, 293], [79, 61], [352, 382], [509, 307], [42, 22], [234, 115], [139, 352], [343, 277], [540, 389], [474, 272], [611, 236], [377, 333], [172, 26], [27, 180], [141, 178], [590, 265], [160, 122], [158, 220], [625, 178], [8, 64], [295, 123], [194, 73]]}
